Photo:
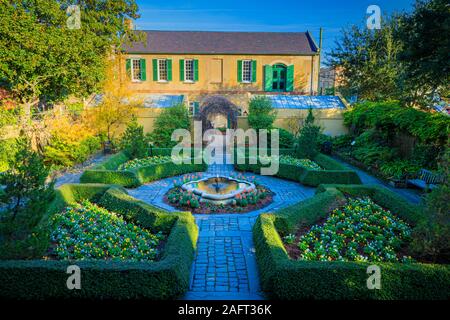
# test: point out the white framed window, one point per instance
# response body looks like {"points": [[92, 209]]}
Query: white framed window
{"points": [[136, 70], [162, 70], [247, 71], [189, 70]]}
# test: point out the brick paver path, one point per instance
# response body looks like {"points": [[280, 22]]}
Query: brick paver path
{"points": [[225, 265]]}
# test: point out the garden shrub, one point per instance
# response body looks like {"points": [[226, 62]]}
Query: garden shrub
{"points": [[170, 119], [113, 162], [72, 141], [141, 213], [123, 178], [308, 139], [390, 117], [431, 239], [108, 172], [133, 142], [27, 196], [288, 279], [163, 170], [286, 139], [333, 172], [165, 279], [380, 130]]}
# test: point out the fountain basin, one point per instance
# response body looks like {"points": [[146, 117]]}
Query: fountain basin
{"points": [[218, 189]]}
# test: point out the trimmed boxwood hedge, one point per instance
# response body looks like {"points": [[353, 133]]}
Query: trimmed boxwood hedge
{"points": [[283, 278], [107, 172], [333, 172], [167, 278]]}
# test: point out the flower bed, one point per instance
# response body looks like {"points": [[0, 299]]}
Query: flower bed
{"points": [[87, 231], [285, 278], [137, 163], [305, 163], [359, 231], [166, 278]]}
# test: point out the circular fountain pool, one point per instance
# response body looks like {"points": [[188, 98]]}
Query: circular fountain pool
{"points": [[218, 189]]}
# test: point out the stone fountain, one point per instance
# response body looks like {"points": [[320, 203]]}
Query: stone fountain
{"points": [[218, 189]]}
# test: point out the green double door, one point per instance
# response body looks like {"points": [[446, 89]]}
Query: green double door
{"points": [[279, 78]]}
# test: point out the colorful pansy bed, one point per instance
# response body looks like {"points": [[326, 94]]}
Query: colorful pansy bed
{"points": [[244, 202], [125, 249], [311, 172], [131, 173], [321, 248]]}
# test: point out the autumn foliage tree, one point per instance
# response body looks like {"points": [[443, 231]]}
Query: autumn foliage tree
{"points": [[117, 107]]}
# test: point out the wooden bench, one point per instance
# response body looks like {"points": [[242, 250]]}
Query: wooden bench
{"points": [[426, 180]]}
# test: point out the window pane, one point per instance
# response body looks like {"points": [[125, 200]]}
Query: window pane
{"points": [[136, 75], [189, 70], [162, 67], [247, 71]]}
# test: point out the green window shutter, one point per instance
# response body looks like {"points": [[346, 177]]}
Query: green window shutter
{"points": [[128, 67], [290, 78], [253, 70], [195, 70], [155, 69], [196, 108], [169, 69], [268, 77], [143, 69], [239, 71], [181, 69]]}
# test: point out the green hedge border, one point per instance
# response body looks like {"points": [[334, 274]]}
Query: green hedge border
{"points": [[167, 278], [333, 172], [286, 279], [107, 173]]}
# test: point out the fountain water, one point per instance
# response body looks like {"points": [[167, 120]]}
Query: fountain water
{"points": [[218, 189]]}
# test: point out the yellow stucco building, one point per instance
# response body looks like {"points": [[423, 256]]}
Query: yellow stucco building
{"points": [[171, 67]]}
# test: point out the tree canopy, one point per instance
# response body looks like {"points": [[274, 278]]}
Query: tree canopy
{"points": [[407, 59], [41, 58]]}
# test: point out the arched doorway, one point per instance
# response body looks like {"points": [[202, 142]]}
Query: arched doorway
{"points": [[217, 112], [279, 77]]}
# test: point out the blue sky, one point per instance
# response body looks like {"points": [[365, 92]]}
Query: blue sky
{"points": [[233, 15]]}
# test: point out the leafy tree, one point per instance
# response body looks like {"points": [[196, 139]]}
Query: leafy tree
{"points": [[134, 143], [117, 106], [308, 139], [261, 114], [170, 119], [369, 61], [426, 44], [40, 57]]}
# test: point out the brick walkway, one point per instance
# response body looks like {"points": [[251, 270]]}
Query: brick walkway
{"points": [[225, 265]]}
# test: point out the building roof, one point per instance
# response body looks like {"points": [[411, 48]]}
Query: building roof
{"points": [[162, 100], [306, 102], [208, 42]]}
